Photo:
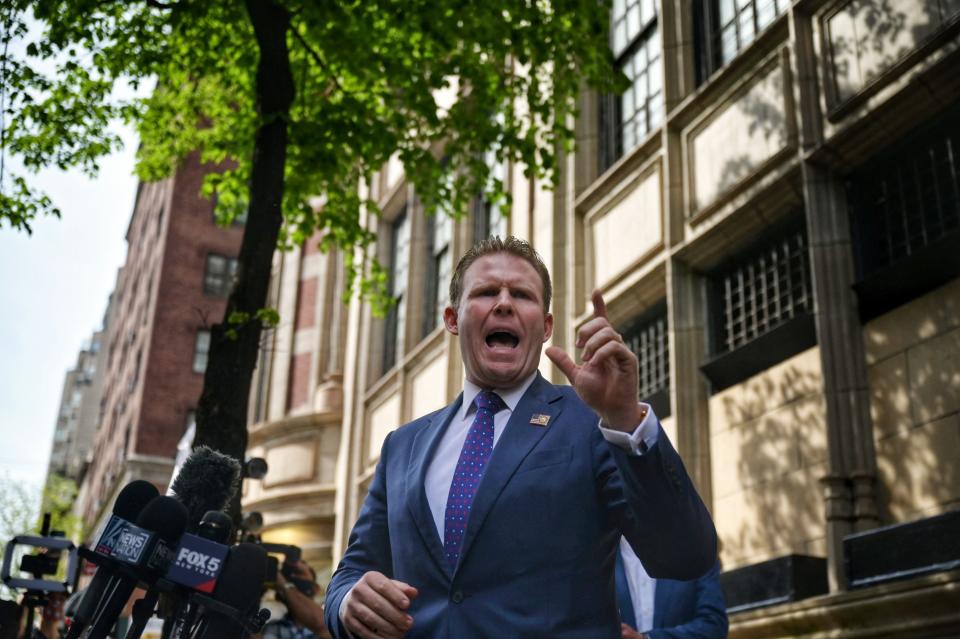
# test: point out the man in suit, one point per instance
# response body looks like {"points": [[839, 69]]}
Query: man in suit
{"points": [[665, 608], [500, 514]]}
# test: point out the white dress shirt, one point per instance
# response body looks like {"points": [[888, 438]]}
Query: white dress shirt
{"points": [[643, 587]]}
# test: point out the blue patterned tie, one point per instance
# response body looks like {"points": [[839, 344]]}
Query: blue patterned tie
{"points": [[466, 478]]}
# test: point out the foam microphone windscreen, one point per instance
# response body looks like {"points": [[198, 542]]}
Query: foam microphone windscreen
{"points": [[239, 587], [207, 481]]}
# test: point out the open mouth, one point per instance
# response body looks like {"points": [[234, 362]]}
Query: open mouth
{"points": [[502, 339]]}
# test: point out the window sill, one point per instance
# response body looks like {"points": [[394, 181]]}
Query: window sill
{"points": [[907, 279], [787, 339]]}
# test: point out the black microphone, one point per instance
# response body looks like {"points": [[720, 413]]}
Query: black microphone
{"points": [[144, 553], [207, 481], [237, 595], [131, 500], [198, 561]]}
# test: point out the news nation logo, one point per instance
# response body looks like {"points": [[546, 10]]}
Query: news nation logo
{"points": [[109, 537], [130, 545]]}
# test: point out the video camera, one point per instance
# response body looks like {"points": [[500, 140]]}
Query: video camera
{"points": [[48, 554]]}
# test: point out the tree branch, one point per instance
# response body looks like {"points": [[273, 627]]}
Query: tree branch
{"points": [[156, 4], [319, 60]]}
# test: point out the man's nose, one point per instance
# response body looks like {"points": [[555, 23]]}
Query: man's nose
{"points": [[504, 303]]}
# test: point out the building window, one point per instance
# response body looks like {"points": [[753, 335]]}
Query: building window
{"points": [[399, 269], [490, 218], [646, 337], [728, 26], [220, 275], [439, 267], [905, 218], [762, 307], [628, 118], [201, 349], [764, 291]]}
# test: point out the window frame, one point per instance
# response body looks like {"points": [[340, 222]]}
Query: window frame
{"points": [[708, 32], [657, 391], [732, 360], [440, 231], [395, 322], [612, 124], [201, 350], [219, 284]]}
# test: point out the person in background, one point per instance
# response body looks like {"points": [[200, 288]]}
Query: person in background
{"points": [[665, 608], [304, 618]]}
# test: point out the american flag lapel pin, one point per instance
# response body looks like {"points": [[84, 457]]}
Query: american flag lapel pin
{"points": [[540, 419]]}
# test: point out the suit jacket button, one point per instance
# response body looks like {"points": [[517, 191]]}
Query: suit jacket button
{"points": [[457, 597]]}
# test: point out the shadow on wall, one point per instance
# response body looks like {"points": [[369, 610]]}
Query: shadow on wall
{"points": [[777, 457], [915, 405], [764, 111], [868, 37]]}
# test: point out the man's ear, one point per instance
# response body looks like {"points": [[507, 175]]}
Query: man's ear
{"points": [[547, 326], [451, 321]]}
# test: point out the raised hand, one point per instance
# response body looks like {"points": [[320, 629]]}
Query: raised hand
{"points": [[376, 608], [608, 378]]}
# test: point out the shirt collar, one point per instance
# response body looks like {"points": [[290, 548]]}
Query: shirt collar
{"points": [[510, 396]]}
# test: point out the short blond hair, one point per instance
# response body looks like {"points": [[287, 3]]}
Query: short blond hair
{"points": [[490, 246]]}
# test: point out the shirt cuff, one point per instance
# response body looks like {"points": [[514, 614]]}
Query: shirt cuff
{"points": [[642, 439], [342, 610]]}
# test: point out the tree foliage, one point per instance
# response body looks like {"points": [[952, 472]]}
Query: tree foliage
{"points": [[321, 95], [366, 74]]}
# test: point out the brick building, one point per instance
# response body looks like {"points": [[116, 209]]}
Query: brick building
{"points": [[174, 284]]}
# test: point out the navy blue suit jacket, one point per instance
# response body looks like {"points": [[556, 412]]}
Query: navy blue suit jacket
{"points": [[539, 551], [687, 609]]}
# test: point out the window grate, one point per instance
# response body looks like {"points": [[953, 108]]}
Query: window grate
{"points": [[762, 292], [908, 202], [647, 339]]}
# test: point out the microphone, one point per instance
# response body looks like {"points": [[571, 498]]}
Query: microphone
{"points": [[236, 596], [200, 557], [197, 563], [143, 553], [207, 481], [130, 501]]}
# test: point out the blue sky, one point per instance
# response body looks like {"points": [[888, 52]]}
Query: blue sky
{"points": [[53, 293]]}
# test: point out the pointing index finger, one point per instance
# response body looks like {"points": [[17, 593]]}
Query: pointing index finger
{"points": [[599, 306]]}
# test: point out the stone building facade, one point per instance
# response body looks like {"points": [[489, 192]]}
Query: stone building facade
{"points": [[772, 211]]}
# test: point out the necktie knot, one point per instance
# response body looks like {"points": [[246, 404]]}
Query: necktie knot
{"points": [[488, 400]]}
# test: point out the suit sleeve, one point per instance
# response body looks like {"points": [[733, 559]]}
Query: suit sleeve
{"points": [[710, 618], [368, 548], [653, 502]]}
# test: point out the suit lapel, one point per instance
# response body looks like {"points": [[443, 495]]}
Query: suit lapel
{"points": [[518, 439], [424, 445]]}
